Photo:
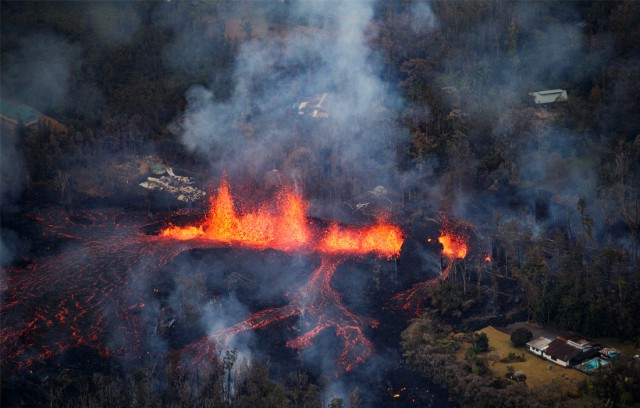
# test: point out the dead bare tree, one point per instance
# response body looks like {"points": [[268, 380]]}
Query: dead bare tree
{"points": [[227, 363], [61, 181]]}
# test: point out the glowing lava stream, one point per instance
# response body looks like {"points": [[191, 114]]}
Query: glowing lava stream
{"points": [[93, 293], [453, 247], [320, 308], [85, 295]]}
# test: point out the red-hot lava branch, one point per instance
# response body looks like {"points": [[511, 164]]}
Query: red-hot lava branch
{"points": [[319, 307], [317, 303], [454, 246], [92, 294]]}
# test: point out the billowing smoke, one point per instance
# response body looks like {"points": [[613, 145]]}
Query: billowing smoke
{"points": [[40, 72], [423, 20], [323, 59], [310, 103], [502, 61]]}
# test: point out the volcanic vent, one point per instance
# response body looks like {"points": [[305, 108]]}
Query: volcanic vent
{"points": [[288, 229], [453, 237]]}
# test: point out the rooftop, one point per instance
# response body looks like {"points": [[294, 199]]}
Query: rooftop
{"points": [[578, 341], [539, 343], [549, 96], [560, 349], [16, 112], [314, 107]]}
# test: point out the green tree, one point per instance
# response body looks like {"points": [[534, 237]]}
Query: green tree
{"points": [[480, 342], [521, 336]]}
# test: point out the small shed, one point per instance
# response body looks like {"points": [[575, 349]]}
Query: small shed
{"points": [[549, 96]]}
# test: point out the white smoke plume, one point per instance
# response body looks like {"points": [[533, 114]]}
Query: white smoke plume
{"points": [[262, 126]]}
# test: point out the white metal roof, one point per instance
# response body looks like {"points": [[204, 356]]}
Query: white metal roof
{"points": [[549, 96], [539, 343]]}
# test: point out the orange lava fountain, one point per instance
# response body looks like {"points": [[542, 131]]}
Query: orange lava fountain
{"points": [[284, 229], [454, 247], [382, 239]]}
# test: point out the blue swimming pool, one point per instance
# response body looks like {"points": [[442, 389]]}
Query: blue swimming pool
{"points": [[593, 364]]}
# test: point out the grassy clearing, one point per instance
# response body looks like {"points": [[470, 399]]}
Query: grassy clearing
{"points": [[534, 367]]}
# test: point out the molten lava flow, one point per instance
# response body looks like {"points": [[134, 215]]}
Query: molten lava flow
{"points": [[284, 229], [317, 302], [319, 307], [85, 296], [454, 246], [94, 291]]}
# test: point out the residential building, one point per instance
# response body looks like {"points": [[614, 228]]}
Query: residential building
{"points": [[549, 96], [567, 351]]}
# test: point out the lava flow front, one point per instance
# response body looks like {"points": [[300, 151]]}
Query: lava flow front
{"points": [[454, 246], [93, 294]]}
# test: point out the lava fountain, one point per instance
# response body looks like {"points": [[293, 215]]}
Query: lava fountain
{"points": [[284, 228], [454, 246]]}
